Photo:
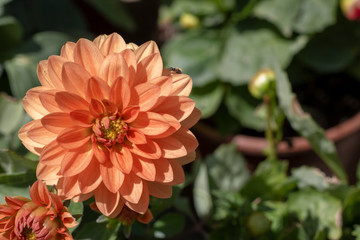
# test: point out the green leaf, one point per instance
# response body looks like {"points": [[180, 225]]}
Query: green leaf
{"points": [[115, 12], [197, 53], [294, 232], [28, 177], [169, 225], [201, 191], [320, 210], [10, 33], [99, 231], [13, 163], [356, 232], [306, 126], [310, 177], [11, 114], [208, 98], [18, 190], [351, 205], [227, 168], [275, 214], [76, 208]]}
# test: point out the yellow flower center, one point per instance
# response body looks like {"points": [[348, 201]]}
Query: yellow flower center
{"points": [[117, 128], [28, 234]]}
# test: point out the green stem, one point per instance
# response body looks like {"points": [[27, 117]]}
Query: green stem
{"points": [[271, 150]]}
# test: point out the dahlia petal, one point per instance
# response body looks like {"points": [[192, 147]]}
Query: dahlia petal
{"points": [[68, 187], [179, 175], [56, 122], [112, 177], [47, 99], [67, 51], [74, 78], [75, 162], [172, 147], [120, 93], [159, 190], [149, 150], [150, 67], [68, 220], [122, 159], [187, 159], [164, 171], [135, 136], [39, 134], [97, 109], [83, 197], [48, 174], [146, 217], [54, 67], [118, 209], [178, 106], [150, 123], [142, 205], [57, 202], [99, 40], [148, 95], [101, 152], [73, 138], [130, 59], [16, 202], [144, 168], [130, 113], [192, 119], [113, 67], [114, 43], [97, 89], [132, 188], [30, 144], [187, 138], [43, 74], [88, 55], [40, 194], [106, 201], [89, 182], [174, 126], [69, 102], [52, 154], [165, 84], [32, 103], [182, 85], [82, 118], [145, 50]]}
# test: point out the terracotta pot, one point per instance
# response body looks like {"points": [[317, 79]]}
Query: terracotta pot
{"points": [[296, 150]]}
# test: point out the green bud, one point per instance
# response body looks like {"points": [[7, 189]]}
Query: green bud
{"points": [[262, 83], [189, 21], [258, 223]]}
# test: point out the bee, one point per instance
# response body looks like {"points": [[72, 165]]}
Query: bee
{"points": [[172, 70]]}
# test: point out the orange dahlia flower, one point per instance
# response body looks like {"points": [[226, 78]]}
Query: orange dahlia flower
{"points": [[109, 122], [39, 218]]}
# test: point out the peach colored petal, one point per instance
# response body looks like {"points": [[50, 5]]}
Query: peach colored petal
{"points": [[69, 102], [33, 146], [40, 195], [145, 50], [52, 154], [118, 209], [142, 205], [171, 147], [182, 85], [43, 74], [159, 190], [130, 59], [187, 138], [146, 217], [165, 84], [32, 103], [101, 152], [68, 220], [113, 67], [54, 68], [82, 118], [135, 136], [88, 55], [113, 43], [74, 78], [179, 176], [120, 93], [122, 159], [68, 187], [73, 138], [187, 159], [174, 126], [47, 99], [106, 201], [99, 40], [150, 67], [150, 150], [150, 123], [89, 182], [48, 174], [112, 177], [83, 197], [148, 95], [57, 121], [130, 113], [39, 134], [178, 106], [16, 202], [67, 51], [97, 108], [144, 168], [192, 119], [75, 162], [164, 171], [97, 89], [132, 188]]}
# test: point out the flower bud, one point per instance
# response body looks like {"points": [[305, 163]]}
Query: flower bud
{"points": [[189, 21], [258, 223], [262, 83], [351, 9]]}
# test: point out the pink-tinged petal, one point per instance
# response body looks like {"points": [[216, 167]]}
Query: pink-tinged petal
{"points": [[40, 195], [97, 89], [74, 78], [144, 168], [69, 102], [74, 162], [54, 67], [165, 84], [48, 174], [130, 114], [149, 68], [164, 171], [187, 138], [159, 190], [132, 188], [171, 147], [101, 152], [52, 154], [179, 107], [57, 122], [110, 107], [82, 118], [120, 93], [97, 108], [113, 67], [135, 136], [106, 201], [146, 217], [142, 205], [83, 197], [149, 150], [112, 177], [68, 187], [32, 103], [88, 55], [74, 138], [114, 43], [67, 51], [99, 40], [122, 159], [16, 202], [174, 126], [148, 95], [47, 99], [39, 134], [130, 59], [182, 85], [187, 159], [89, 182], [179, 176], [33, 146], [68, 220], [192, 119], [118, 209], [43, 74], [146, 50], [150, 123]]}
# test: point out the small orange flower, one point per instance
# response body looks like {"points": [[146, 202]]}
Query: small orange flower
{"points": [[109, 122], [42, 217]]}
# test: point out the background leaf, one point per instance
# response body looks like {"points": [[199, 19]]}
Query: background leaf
{"points": [[169, 225], [201, 191]]}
